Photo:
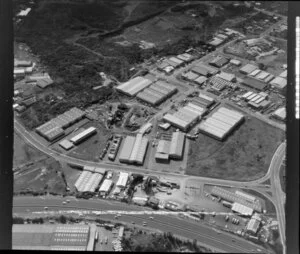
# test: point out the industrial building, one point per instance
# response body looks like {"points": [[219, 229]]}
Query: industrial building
{"points": [[177, 145], [204, 70], [203, 101], [216, 42], [234, 198], [221, 123], [190, 76], [226, 76], [220, 84], [235, 62], [185, 57], [253, 225], [53, 237], [157, 93], [241, 209], [54, 128], [283, 74], [122, 181], [248, 68], [200, 80], [134, 149], [83, 135], [105, 187], [89, 180], [254, 83], [219, 61], [185, 117], [279, 83], [162, 151], [44, 82], [134, 86], [145, 128], [66, 144], [280, 114]]}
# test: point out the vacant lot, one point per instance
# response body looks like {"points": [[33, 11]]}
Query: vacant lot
{"points": [[24, 153], [45, 176], [244, 156]]}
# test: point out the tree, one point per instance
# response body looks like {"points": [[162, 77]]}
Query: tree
{"points": [[62, 219]]}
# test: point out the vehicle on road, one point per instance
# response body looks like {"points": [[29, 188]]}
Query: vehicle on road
{"points": [[45, 208]]}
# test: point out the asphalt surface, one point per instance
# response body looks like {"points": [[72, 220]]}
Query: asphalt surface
{"points": [[166, 223]]}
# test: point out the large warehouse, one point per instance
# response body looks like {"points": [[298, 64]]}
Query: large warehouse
{"points": [[157, 93], [123, 179], [134, 149], [54, 128], [204, 70], [162, 151], [89, 180], [254, 83], [134, 86], [185, 117], [177, 145], [221, 123], [83, 135], [53, 237], [248, 68]]}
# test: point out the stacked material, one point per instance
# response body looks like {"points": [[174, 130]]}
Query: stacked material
{"points": [[177, 145], [185, 117], [157, 93], [134, 86], [221, 123], [134, 149]]}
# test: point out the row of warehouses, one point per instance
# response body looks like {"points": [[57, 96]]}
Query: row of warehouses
{"points": [[259, 79], [93, 178], [221, 123], [222, 36], [186, 116], [173, 149], [157, 93], [53, 237], [169, 64], [147, 91], [134, 149], [256, 100], [55, 127], [242, 203]]}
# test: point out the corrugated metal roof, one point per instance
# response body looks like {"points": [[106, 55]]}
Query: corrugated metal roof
{"points": [[123, 178], [81, 135], [127, 148], [248, 68], [105, 186], [200, 80], [242, 209], [183, 124], [163, 146], [177, 144]]}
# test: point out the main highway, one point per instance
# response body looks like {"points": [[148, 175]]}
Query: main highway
{"points": [[166, 223]]}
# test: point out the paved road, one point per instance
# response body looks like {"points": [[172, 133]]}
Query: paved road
{"points": [[166, 223]]}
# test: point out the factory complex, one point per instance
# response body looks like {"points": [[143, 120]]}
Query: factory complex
{"points": [[55, 127], [53, 237], [185, 117], [134, 149], [221, 123]]}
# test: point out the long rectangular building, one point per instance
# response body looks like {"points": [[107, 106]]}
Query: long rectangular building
{"points": [[134, 86], [177, 145], [123, 179], [221, 123], [83, 135]]}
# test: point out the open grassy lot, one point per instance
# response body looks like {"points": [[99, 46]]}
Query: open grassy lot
{"points": [[45, 176], [24, 153], [244, 156]]}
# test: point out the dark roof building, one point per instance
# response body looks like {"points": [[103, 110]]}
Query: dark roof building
{"points": [[254, 83]]}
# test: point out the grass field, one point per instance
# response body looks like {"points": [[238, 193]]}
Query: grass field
{"points": [[244, 156], [44, 176], [24, 153]]}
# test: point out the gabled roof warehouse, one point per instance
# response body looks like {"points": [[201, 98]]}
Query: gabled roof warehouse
{"points": [[242, 209], [105, 186], [279, 83], [134, 86], [254, 83], [126, 149], [92, 183], [83, 135], [177, 145], [221, 123], [123, 179], [248, 68]]}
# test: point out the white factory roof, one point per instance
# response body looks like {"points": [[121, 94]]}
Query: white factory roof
{"points": [[66, 144], [215, 41], [92, 183], [279, 82], [83, 134], [176, 121], [235, 62], [23, 13], [127, 148], [254, 73], [184, 57], [177, 143], [253, 225], [246, 95], [226, 76], [176, 60], [122, 181], [242, 209], [259, 100], [163, 146], [105, 186], [82, 180], [250, 97], [134, 86], [283, 74], [200, 80], [248, 68], [201, 95], [262, 75], [145, 128], [280, 113], [255, 98]]}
